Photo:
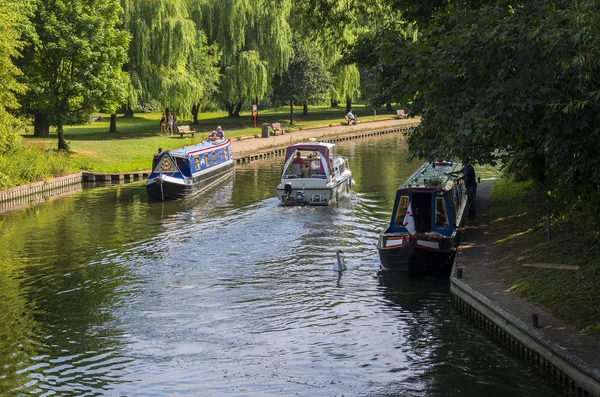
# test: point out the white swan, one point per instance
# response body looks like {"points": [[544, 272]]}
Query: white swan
{"points": [[339, 265]]}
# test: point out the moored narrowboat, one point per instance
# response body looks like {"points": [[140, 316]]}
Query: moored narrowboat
{"points": [[427, 221], [184, 172]]}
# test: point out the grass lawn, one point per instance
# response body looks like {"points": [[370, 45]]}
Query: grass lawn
{"points": [[519, 231], [132, 147]]}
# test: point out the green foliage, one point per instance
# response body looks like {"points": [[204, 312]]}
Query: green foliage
{"points": [[13, 22], [32, 163], [73, 60], [495, 83], [306, 79], [169, 58], [254, 37], [246, 80], [346, 83]]}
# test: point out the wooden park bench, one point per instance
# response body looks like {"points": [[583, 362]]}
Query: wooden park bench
{"points": [[401, 114], [185, 129], [276, 127]]}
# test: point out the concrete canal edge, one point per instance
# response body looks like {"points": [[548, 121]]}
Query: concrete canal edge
{"points": [[279, 149], [38, 191], [548, 358], [560, 353]]}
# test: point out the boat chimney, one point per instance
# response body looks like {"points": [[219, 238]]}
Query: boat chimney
{"points": [[159, 150]]}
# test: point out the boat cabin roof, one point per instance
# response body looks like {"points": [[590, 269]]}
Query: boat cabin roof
{"points": [[322, 147], [204, 146], [433, 175]]}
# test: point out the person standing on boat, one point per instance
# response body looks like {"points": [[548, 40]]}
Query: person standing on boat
{"points": [[220, 133]]}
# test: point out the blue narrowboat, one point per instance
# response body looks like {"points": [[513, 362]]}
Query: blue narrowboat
{"points": [[427, 221], [184, 172]]}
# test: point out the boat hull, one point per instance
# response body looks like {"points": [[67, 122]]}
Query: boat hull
{"points": [[168, 188], [418, 256], [315, 195], [421, 262]]}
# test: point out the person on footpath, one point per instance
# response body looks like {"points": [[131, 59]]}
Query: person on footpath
{"points": [[170, 121], [163, 125]]}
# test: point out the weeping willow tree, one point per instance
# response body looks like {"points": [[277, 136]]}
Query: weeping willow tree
{"points": [[254, 37], [170, 61], [243, 82], [346, 84]]}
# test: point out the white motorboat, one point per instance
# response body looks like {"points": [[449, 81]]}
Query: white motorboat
{"points": [[313, 174]]}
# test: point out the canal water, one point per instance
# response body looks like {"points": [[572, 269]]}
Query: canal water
{"points": [[105, 294]]}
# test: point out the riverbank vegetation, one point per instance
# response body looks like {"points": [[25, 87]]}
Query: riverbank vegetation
{"points": [[535, 266]]}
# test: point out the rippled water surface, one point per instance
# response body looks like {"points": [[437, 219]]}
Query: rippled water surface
{"points": [[103, 293]]}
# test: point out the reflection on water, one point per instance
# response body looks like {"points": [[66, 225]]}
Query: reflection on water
{"points": [[104, 293]]}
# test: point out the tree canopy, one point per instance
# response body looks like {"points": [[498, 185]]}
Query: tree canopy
{"points": [[72, 63], [170, 61]]}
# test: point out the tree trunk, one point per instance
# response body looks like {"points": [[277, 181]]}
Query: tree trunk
{"points": [[127, 111], [292, 112], [40, 125], [348, 104], [388, 106], [230, 108], [195, 111], [305, 109], [113, 123], [334, 103], [62, 144], [238, 107], [374, 111]]}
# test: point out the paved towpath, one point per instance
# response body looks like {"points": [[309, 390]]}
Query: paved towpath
{"points": [[255, 145], [481, 276]]}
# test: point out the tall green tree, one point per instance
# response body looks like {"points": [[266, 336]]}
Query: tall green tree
{"points": [[12, 25], [170, 61], [254, 37], [306, 80], [73, 61]]}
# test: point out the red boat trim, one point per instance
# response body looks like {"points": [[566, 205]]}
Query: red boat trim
{"points": [[211, 148]]}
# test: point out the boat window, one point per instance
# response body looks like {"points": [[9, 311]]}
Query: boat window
{"points": [[206, 163], [226, 153], [401, 212], [197, 163], [184, 166], [214, 158], [441, 217]]}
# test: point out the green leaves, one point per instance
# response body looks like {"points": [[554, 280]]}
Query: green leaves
{"points": [[72, 62]]}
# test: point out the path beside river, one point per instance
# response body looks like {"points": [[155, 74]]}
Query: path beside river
{"points": [[254, 145], [482, 278]]}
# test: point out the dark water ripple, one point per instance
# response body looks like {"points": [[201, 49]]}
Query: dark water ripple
{"points": [[230, 294]]}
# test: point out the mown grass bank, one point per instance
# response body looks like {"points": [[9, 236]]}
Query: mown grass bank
{"points": [[93, 148], [519, 232]]}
